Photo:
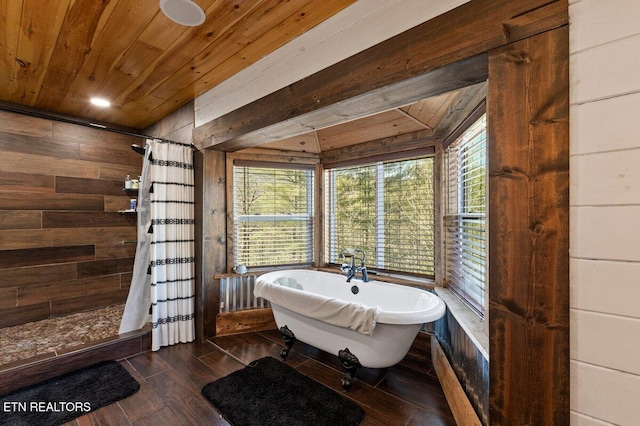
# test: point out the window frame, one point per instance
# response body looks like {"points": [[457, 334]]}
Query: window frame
{"points": [[239, 160], [480, 308], [378, 162]]}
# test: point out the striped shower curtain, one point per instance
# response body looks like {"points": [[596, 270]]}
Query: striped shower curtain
{"points": [[172, 254]]}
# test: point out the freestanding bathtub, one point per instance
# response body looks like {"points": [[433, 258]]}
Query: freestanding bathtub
{"points": [[398, 313]]}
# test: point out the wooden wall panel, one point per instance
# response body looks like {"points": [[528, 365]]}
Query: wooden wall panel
{"points": [[96, 236], [37, 274], [22, 239], [8, 297], [114, 203], [23, 314], [64, 247], [45, 255], [108, 155], [105, 267], [529, 237], [39, 146], [92, 136], [26, 182], [20, 219], [16, 162], [35, 294], [20, 124], [95, 301], [60, 219], [26, 201], [115, 172], [120, 248], [70, 185]]}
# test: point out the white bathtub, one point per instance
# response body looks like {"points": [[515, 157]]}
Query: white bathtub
{"points": [[403, 310]]}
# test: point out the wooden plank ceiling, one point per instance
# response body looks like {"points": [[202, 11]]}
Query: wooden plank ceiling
{"points": [[56, 54], [435, 117]]}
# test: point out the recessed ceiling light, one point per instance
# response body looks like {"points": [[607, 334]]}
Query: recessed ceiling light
{"points": [[183, 12], [101, 102]]}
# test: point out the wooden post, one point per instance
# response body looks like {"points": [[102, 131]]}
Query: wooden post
{"points": [[529, 231], [214, 230]]}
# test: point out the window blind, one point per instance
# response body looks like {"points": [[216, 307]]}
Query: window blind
{"points": [[465, 214], [385, 209], [273, 215]]}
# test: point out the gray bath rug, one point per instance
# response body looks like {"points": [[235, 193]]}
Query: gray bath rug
{"points": [[269, 392], [66, 397]]}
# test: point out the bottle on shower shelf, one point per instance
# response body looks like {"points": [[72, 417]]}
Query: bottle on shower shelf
{"points": [[127, 182]]}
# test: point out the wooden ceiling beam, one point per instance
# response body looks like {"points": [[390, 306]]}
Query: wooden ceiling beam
{"points": [[330, 96], [441, 80]]}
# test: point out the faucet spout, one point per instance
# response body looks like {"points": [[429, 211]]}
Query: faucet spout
{"points": [[365, 275], [351, 274]]}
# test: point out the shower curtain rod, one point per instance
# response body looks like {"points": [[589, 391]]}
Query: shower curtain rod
{"points": [[49, 116]]}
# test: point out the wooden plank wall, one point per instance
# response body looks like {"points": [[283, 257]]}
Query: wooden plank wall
{"points": [[214, 237], [528, 109], [605, 207], [61, 236]]}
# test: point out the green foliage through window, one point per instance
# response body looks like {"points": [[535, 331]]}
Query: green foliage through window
{"points": [[273, 216], [465, 219], [386, 210]]}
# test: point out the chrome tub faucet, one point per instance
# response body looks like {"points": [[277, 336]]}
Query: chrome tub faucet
{"points": [[350, 268]]}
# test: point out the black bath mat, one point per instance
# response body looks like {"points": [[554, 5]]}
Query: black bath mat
{"points": [[269, 392], [63, 398]]}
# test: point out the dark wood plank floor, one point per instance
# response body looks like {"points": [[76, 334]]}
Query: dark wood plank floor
{"points": [[406, 394]]}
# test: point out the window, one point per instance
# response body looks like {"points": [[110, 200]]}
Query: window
{"points": [[385, 209], [465, 219], [272, 215]]}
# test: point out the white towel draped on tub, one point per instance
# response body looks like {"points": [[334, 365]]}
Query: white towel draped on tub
{"points": [[351, 315]]}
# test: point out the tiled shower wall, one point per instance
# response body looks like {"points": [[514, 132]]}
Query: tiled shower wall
{"points": [[64, 248], [605, 211]]}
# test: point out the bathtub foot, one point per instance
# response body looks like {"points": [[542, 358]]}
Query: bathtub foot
{"points": [[289, 339], [351, 364]]}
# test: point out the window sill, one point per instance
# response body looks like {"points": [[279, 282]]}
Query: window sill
{"points": [[424, 283], [470, 322]]}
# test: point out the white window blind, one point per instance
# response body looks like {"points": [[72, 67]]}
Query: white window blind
{"points": [[465, 219], [385, 209], [273, 215]]}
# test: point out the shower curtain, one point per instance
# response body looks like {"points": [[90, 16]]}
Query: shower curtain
{"points": [[171, 259], [136, 310]]}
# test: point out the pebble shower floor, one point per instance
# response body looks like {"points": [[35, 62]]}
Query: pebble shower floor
{"points": [[50, 336]]}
